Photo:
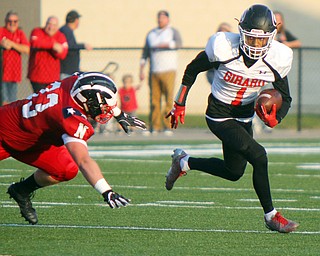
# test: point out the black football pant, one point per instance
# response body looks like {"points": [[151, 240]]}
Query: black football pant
{"points": [[239, 147]]}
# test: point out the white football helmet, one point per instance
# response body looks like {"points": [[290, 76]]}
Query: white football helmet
{"points": [[96, 93]]}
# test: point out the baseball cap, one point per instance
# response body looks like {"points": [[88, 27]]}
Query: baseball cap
{"points": [[163, 12], [72, 16]]}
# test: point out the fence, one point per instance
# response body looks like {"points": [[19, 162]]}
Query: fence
{"points": [[303, 78]]}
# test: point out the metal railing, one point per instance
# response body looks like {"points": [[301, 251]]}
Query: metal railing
{"points": [[303, 77]]}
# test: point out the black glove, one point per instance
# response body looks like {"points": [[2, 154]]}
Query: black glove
{"points": [[126, 120], [114, 200]]}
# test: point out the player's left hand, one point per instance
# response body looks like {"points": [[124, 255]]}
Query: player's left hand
{"points": [[114, 200], [269, 119], [126, 120]]}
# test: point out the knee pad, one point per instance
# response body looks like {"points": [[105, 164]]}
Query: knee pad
{"points": [[69, 172]]}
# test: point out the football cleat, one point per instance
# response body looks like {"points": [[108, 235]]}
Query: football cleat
{"points": [[175, 170], [25, 205], [281, 224]]}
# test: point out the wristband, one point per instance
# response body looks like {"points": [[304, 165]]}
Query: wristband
{"points": [[116, 111], [102, 186]]}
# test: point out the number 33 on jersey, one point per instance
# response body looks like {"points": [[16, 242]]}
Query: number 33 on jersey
{"points": [[51, 111]]}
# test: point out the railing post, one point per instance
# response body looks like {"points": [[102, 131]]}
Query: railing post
{"points": [[299, 114]]}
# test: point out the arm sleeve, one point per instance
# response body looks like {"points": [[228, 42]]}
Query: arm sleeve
{"points": [[177, 39], [71, 40], [62, 40], [39, 40], [282, 85], [199, 64]]}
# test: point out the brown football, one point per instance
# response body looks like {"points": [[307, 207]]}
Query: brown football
{"points": [[269, 97]]}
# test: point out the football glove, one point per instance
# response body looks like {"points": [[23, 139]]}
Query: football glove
{"points": [[126, 120], [269, 119], [114, 200], [176, 112]]}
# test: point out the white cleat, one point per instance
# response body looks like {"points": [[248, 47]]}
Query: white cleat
{"points": [[175, 170]]}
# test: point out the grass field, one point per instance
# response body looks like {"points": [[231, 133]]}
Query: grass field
{"points": [[202, 215]]}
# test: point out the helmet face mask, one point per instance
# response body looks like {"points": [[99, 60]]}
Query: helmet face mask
{"points": [[95, 93], [257, 28]]}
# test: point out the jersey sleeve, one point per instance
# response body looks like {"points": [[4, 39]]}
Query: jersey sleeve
{"points": [[210, 48], [280, 58], [76, 125], [220, 46]]}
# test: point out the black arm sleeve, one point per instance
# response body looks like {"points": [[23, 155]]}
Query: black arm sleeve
{"points": [[282, 85], [199, 64]]}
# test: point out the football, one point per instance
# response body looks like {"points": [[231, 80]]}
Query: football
{"points": [[269, 97]]}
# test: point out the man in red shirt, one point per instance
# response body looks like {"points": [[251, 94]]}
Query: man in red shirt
{"points": [[14, 42], [49, 130], [48, 47]]}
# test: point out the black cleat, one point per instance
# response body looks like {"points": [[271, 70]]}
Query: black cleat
{"points": [[25, 205]]}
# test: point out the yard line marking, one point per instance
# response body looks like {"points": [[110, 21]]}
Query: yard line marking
{"points": [[152, 229], [155, 204], [186, 202], [274, 200], [175, 204], [184, 188], [207, 149], [309, 166]]}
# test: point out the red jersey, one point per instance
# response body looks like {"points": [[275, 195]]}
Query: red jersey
{"points": [[42, 118], [11, 64], [128, 99], [44, 62]]}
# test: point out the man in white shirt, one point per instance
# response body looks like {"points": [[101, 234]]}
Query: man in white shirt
{"points": [[161, 48]]}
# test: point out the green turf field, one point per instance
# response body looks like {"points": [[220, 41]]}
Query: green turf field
{"points": [[202, 215]]}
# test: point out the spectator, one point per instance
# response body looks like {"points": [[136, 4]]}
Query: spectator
{"points": [[283, 35], [71, 63], [223, 27], [14, 42], [161, 48], [48, 47], [127, 95]]}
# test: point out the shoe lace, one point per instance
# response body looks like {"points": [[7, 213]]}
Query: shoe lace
{"points": [[279, 218]]}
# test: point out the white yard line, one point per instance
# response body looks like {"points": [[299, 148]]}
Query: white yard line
{"points": [[134, 228]]}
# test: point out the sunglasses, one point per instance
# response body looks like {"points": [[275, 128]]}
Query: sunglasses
{"points": [[12, 21]]}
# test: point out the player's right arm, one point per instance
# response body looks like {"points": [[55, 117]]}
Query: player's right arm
{"points": [[200, 64], [92, 172]]}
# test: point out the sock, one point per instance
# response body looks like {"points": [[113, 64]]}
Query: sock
{"points": [[184, 163], [27, 186], [268, 216]]}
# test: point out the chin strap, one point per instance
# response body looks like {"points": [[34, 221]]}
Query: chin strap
{"points": [[182, 94]]}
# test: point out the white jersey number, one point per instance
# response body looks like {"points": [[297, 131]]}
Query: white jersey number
{"points": [[30, 110]]}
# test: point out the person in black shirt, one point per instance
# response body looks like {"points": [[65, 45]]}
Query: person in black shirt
{"points": [[283, 35], [71, 63]]}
